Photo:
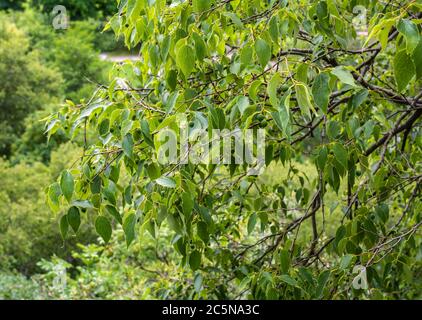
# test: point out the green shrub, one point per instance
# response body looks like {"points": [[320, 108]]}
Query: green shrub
{"points": [[28, 230], [18, 287]]}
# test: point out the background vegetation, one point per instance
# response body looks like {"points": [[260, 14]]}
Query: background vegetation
{"points": [[86, 213]]}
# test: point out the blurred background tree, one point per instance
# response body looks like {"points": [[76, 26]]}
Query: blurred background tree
{"points": [[30, 84]]}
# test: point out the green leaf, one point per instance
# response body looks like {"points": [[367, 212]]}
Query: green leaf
{"points": [[203, 233], [322, 158], [54, 192], [284, 261], [171, 79], [333, 129], [74, 218], [67, 185], [344, 76], [103, 228], [282, 117], [187, 203], [195, 260], [197, 283], [345, 261], [302, 73], [404, 69], [383, 212], [304, 99], [200, 47], [200, 6], [64, 226], [129, 222], [359, 98], [289, 280], [341, 154], [246, 56], [104, 127], [273, 29], [217, 116], [153, 171], [410, 32], [146, 133], [322, 281], [306, 276], [263, 52], [321, 91], [234, 18], [272, 89], [127, 145], [185, 59], [253, 89], [252, 222], [114, 213], [417, 59], [242, 104], [166, 182]]}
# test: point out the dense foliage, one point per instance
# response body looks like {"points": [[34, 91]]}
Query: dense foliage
{"points": [[325, 93], [29, 84], [79, 9], [335, 84], [38, 71]]}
